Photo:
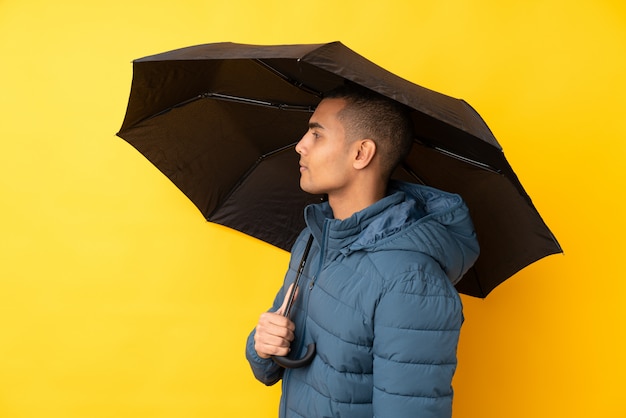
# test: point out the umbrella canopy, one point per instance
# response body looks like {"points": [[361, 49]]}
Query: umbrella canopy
{"points": [[222, 120]]}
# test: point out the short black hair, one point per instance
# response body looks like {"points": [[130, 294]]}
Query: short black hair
{"points": [[368, 114]]}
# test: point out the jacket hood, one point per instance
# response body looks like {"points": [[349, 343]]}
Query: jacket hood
{"points": [[411, 217]]}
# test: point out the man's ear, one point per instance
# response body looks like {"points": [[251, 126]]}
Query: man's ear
{"points": [[365, 151]]}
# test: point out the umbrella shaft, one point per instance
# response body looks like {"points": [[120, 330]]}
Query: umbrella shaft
{"points": [[294, 289]]}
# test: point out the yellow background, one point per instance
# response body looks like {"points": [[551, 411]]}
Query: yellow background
{"points": [[117, 299]]}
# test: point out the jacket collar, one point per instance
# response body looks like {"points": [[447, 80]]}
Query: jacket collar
{"points": [[341, 234], [412, 217]]}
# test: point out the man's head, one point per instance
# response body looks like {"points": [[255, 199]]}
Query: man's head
{"points": [[384, 121], [354, 142]]}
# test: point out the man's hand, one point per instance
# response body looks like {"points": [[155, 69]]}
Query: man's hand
{"points": [[274, 332]]}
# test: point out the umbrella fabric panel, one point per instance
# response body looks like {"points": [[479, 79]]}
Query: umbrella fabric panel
{"points": [[160, 86], [271, 188], [338, 59], [206, 157], [509, 230]]}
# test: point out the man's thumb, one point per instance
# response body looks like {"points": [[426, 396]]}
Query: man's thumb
{"points": [[283, 307]]}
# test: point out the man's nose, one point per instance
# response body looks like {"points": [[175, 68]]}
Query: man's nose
{"points": [[300, 146]]}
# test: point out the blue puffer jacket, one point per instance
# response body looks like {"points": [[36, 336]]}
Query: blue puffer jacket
{"points": [[377, 298]]}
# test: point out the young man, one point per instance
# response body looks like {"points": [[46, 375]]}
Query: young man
{"points": [[377, 295]]}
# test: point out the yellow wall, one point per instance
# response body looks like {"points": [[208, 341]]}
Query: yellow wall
{"points": [[118, 300]]}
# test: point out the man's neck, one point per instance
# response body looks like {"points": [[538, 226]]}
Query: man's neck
{"points": [[347, 204]]}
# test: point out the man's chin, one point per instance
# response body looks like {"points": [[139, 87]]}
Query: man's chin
{"points": [[304, 187], [311, 190]]}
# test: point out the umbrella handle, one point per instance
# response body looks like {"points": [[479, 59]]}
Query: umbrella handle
{"points": [[288, 363]]}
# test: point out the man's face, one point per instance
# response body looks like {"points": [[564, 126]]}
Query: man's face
{"points": [[325, 155]]}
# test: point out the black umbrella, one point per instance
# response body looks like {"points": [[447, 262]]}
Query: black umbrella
{"points": [[221, 121]]}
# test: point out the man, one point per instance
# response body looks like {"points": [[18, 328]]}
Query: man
{"points": [[377, 295]]}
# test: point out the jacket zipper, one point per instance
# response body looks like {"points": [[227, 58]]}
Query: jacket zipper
{"points": [[287, 373]]}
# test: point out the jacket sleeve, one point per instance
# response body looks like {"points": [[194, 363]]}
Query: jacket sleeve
{"points": [[265, 370], [416, 332]]}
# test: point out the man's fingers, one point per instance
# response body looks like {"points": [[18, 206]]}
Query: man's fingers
{"points": [[271, 345], [274, 334]]}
